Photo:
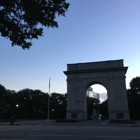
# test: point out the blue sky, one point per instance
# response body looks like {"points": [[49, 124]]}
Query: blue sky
{"points": [[93, 30]]}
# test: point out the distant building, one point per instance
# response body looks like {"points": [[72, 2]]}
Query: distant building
{"points": [[92, 94]]}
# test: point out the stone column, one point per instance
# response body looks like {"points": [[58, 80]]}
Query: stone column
{"points": [[118, 105]]}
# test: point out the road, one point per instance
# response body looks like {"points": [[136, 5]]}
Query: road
{"points": [[40, 130]]}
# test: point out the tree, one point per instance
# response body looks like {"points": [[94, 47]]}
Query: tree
{"points": [[58, 106], [32, 104], [7, 102], [2, 98], [104, 109], [134, 98], [135, 84], [22, 20]]}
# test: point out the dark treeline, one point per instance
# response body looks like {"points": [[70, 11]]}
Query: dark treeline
{"points": [[31, 104], [134, 98]]}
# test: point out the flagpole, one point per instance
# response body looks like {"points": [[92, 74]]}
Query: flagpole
{"points": [[48, 101]]}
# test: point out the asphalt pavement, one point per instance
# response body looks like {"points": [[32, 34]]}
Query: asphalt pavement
{"points": [[83, 130]]}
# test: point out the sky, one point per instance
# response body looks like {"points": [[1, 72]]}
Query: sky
{"points": [[93, 30]]}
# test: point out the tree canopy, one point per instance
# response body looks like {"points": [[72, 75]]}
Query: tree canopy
{"points": [[22, 20], [134, 98], [31, 104], [135, 84], [2, 97]]}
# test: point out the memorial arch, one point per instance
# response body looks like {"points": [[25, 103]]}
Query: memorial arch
{"points": [[110, 74]]}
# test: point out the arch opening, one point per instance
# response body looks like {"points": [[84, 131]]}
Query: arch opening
{"points": [[97, 104]]}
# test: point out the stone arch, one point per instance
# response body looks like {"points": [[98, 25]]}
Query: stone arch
{"points": [[110, 74], [96, 82]]}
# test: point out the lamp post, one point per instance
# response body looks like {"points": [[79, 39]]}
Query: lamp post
{"points": [[48, 115], [17, 105], [94, 111]]}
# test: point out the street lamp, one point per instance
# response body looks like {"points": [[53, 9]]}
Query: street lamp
{"points": [[17, 105]]}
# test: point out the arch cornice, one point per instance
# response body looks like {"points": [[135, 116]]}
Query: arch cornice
{"points": [[96, 70]]}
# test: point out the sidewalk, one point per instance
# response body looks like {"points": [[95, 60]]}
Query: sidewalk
{"points": [[105, 123], [8, 123], [79, 123], [98, 123]]}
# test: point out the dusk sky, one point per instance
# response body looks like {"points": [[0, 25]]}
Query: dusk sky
{"points": [[93, 30]]}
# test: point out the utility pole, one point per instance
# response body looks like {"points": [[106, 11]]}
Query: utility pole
{"points": [[48, 101]]}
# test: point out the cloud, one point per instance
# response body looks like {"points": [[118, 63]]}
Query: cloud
{"points": [[103, 97]]}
